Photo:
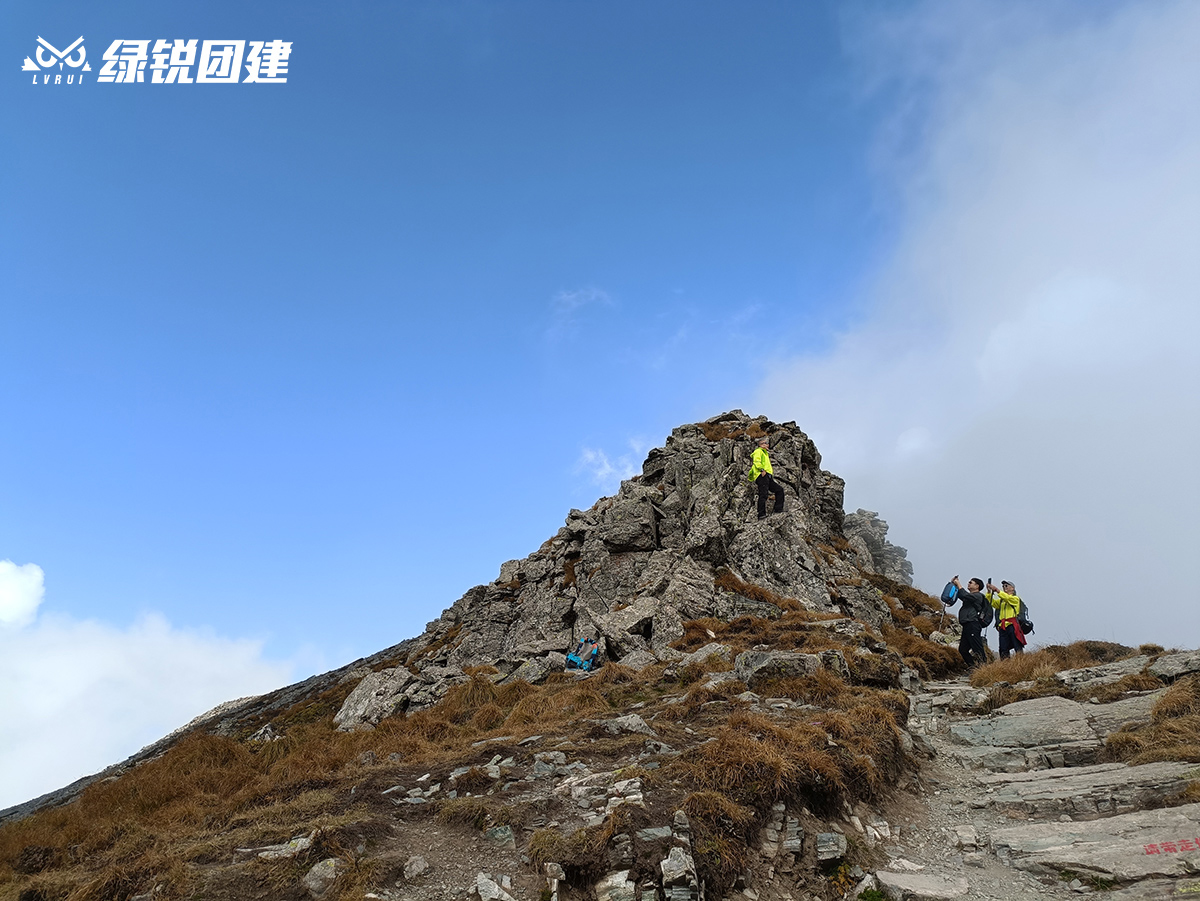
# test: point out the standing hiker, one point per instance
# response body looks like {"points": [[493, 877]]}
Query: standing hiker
{"points": [[1008, 613], [763, 478], [973, 616]]}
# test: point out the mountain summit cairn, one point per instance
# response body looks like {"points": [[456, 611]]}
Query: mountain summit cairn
{"points": [[776, 714]]}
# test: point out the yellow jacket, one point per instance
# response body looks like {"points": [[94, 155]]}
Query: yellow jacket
{"points": [[1008, 606], [759, 463]]}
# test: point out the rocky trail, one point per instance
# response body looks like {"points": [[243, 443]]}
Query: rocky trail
{"points": [[1006, 805], [1013, 803]]}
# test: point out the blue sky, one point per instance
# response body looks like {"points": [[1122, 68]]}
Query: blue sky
{"points": [[288, 368]]}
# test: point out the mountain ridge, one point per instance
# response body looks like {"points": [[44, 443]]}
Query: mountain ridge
{"points": [[775, 701]]}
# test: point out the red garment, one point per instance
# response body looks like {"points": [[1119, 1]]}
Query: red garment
{"points": [[1004, 624]]}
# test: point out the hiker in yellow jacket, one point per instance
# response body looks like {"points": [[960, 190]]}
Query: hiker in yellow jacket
{"points": [[1008, 609], [763, 478]]}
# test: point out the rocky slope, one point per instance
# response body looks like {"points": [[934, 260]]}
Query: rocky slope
{"points": [[777, 718]]}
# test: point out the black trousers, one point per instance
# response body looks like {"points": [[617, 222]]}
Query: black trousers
{"points": [[1008, 642], [971, 644], [766, 484]]}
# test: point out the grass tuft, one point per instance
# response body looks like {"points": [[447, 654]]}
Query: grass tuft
{"points": [[1173, 732]]}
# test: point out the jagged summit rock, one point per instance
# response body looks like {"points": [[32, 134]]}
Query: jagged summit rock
{"points": [[672, 545], [867, 534]]}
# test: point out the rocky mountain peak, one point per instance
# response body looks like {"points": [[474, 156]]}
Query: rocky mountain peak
{"points": [[634, 567]]}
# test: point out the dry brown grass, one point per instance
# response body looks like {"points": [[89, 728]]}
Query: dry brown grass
{"points": [[931, 659], [1079, 654], [1031, 666], [722, 832], [793, 631], [1041, 667], [1173, 732], [1115, 691], [473, 812], [718, 431], [756, 761], [208, 794], [818, 758], [909, 600], [726, 580]]}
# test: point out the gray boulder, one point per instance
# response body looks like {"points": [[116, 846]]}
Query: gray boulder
{"points": [[377, 696], [753, 666], [616, 887], [319, 881]]}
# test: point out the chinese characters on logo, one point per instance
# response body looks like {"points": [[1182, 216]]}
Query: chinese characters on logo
{"points": [[175, 62]]}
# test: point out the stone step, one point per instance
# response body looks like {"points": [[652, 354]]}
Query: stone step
{"points": [[1156, 890], [1168, 666], [1148, 844], [1043, 733], [921, 886], [1089, 792], [1108, 718]]}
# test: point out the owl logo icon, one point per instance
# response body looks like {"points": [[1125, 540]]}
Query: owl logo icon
{"points": [[48, 56]]}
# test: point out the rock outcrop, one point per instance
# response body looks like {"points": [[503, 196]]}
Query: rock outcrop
{"points": [[867, 534], [635, 566]]}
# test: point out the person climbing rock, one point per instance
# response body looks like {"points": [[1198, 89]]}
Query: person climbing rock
{"points": [[763, 478], [1008, 610], [973, 616]]}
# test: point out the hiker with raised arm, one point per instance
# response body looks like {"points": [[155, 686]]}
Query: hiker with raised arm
{"points": [[1008, 617], [974, 615], [762, 475]]}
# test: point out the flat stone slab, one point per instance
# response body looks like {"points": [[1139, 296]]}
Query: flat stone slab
{"points": [[1104, 674], [1108, 718], [1016, 760], [1027, 724], [1034, 734], [1149, 844], [1092, 791], [1172, 666], [954, 697], [1156, 890], [920, 886]]}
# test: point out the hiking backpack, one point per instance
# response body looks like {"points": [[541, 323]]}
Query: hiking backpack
{"points": [[1023, 620]]}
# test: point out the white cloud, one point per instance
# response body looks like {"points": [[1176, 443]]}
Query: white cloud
{"points": [[568, 307], [1022, 399], [608, 472], [77, 696], [21, 592], [567, 302]]}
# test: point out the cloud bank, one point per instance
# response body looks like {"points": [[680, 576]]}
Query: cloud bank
{"points": [[21, 592], [1020, 398], [77, 696]]}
